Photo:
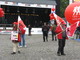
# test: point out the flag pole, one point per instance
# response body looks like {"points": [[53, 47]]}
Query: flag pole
{"points": [[18, 23]]}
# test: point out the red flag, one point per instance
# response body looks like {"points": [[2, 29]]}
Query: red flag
{"points": [[21, 22], [71, 29], [59, 20], [52, 18], [58, 29]]}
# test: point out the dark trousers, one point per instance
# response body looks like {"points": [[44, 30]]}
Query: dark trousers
{"points": [[45, 37], [53, 36], [77, 36], [29, 32], [61, 45]]}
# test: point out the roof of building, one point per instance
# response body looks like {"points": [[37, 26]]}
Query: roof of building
{"points": [[47, 2]]}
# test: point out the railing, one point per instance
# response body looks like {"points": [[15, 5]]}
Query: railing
{"points": [[6, 26]]}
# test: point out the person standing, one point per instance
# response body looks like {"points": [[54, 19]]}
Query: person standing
{"points": [[53, 31], [62, 36], [78, 32], [45, 30], [15, 37], [22, 43], [29, 29]]}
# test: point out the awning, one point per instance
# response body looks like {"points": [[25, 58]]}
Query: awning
{"points": [[31, 3], [48, 2]]}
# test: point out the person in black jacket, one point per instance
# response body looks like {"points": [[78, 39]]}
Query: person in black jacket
{"points": [[45, 30], [62, 36], [78, 32], [29, 29]]}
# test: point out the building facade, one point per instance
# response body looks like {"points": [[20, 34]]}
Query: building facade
{"points": [[29, 10]]}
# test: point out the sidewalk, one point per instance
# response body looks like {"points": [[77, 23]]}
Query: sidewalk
{"points": [[38, 50]]}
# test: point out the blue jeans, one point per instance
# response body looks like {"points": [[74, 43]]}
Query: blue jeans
{"points": [[22, 43]]}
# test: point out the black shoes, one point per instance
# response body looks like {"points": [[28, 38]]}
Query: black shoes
{"points": [[56, 40], [63, 54], [53, 39], [43, 41], [19, 52], [58, 54], [13, 53]]}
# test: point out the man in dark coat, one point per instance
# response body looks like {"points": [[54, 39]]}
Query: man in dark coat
{"points": [[45, 30], [62, 36], [29, 29]]}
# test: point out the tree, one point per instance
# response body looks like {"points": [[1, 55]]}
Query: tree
{"points": [[63, 5]]}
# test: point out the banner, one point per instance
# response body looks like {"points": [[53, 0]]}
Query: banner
{"points": [[14, 35], [21, 22]]}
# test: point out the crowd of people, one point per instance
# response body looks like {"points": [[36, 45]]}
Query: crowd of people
{"points": [[18, 37], [57, 34]]}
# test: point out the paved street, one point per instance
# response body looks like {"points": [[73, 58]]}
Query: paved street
{"points": [[38, 50]]}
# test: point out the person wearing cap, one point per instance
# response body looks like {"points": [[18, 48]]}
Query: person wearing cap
{"points": [[22, 43], [62, 36], [15, 37]]}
